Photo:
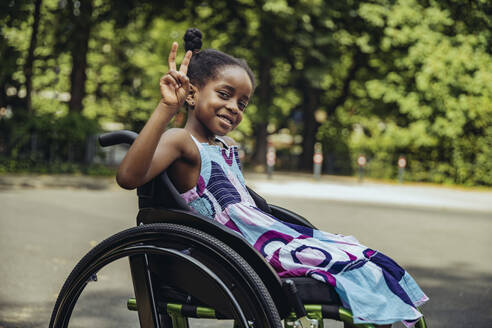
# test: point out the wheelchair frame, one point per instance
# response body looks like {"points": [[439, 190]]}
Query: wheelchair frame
{"points": [[164, 213]]}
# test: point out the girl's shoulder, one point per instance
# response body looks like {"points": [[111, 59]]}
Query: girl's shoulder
{"points": [[180, 140], [229, 141], [176, 132], [177, 136]]}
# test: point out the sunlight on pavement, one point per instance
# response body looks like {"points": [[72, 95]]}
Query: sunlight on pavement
{"points": [[418, 196]]}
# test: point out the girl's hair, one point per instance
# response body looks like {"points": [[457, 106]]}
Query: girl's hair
{"points": [[206, 64]]}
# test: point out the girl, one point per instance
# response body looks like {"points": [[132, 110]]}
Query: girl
{"points": [[204, 166]]}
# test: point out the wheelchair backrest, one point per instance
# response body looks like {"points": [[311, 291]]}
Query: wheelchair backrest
{"points": [[160, 192]]}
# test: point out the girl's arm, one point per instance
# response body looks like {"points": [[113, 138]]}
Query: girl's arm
{"points": [[142, 162]]}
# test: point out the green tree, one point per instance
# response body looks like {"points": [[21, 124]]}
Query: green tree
{"points": [[393, 77], [429, 95], [28, 66]]}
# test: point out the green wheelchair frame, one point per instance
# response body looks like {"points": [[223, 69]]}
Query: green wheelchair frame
{"points": [[314, 313]]}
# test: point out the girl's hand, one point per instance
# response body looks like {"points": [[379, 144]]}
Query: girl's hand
{"points": [[175, 85]]}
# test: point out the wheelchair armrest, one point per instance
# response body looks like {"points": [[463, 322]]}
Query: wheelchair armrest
{"points": [[279, 212], [224, 234], [289, 216], [260, 202]]}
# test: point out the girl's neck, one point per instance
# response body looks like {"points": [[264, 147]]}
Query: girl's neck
{"points": [[198, 131]]}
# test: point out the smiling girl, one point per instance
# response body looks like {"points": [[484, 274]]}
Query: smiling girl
{"points": [[204, 166]]}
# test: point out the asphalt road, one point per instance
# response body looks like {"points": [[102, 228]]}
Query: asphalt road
{"points": [[44, 232]]}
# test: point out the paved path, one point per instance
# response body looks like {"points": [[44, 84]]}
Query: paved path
{"points": [[45, 231], [349, 190]]}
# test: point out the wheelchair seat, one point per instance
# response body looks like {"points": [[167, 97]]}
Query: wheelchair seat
{"points": [[312, 291]]}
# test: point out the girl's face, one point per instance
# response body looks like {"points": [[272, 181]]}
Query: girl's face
{"points": [[221, 102]]}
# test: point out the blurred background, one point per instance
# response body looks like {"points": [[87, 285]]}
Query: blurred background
{"points": [[381, 79]]}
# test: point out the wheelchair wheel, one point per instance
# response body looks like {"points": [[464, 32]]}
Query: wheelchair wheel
{"points": [[241, 294]]}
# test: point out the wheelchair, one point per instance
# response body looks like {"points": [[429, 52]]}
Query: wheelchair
{"points": [[184, 265]]}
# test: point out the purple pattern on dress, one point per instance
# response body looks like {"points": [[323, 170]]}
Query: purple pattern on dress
{"points": [[352, 257], [298, 258], [270, 237], [303, 237], [326, 276], [392, 274], [231, 225], [299, 272], [236, 155], [396, 288], [275, 261], [389, 265], [368, 253], [355, 265], [205, 197], [200, 187], [339, 266], [301, 229], [227, 156], [223, 190]]}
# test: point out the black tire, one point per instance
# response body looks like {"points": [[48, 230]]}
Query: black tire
{"points": [[209, 251]]}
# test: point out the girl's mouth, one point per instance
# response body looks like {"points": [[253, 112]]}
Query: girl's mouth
{"points": [[225, 119]]}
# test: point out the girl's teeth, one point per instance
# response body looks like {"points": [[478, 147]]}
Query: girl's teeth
{"points": [[226, 119]]}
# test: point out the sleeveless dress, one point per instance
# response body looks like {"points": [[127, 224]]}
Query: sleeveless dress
{"points": [[370, 284]]}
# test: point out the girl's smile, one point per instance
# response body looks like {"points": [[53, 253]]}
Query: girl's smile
{"points": [[220, 103]]}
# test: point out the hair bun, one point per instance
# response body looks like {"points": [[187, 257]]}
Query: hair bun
{"points": [[193, 39]]}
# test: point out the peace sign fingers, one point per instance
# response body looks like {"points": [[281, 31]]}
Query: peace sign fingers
{"points": [[186, 61], [175, 84], [172, 59], [172, 56]]}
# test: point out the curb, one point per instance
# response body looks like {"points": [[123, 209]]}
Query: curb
{"points": [[33, 181]]}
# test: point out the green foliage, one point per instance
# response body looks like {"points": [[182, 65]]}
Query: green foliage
{"points": [[403, 77], [9, 165], [433, 99], [46, 138]]}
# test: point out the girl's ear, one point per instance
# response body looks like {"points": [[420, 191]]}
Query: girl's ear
{"points": [[191, 97]]}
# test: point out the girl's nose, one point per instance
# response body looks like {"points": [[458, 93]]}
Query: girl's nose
{"points": [[232, 107]]}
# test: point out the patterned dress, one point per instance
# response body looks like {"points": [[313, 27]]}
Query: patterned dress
{"points": [[369, 283]]}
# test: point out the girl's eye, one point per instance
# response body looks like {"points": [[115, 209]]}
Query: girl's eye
{"points": [[242, 105], [223, 94]]}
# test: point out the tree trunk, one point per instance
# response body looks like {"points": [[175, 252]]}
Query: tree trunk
{"points": [[261, 135], [264, 92], [28, 67], [310, 126], [80, 47], [261, 121]]}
